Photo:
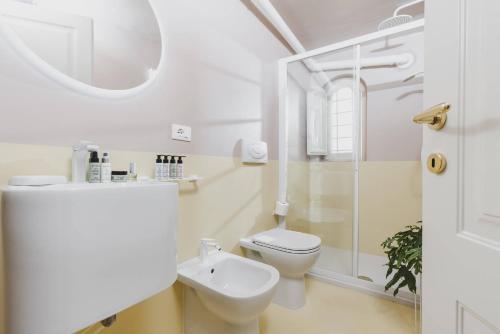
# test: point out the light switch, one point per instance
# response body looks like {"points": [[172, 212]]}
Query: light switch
{"points": [[181, 132]]}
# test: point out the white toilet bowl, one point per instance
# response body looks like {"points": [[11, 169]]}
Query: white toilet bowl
{"points": [[292, 253], [225, 293]]}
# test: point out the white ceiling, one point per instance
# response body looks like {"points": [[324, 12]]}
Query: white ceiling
{"points": [[318, 23]]}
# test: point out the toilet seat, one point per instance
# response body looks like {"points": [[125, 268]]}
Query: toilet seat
{"points": [[288, 241]]}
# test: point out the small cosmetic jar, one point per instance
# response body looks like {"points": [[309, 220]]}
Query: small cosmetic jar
{"points": [[119, 176]]}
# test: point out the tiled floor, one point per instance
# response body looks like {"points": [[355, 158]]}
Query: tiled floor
{"points": [[335, 310]]}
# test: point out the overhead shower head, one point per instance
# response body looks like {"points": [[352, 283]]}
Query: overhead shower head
{"points": [[394, 21], [398, 19]]}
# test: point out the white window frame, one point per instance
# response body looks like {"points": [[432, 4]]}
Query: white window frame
{"points": [[338, 84]]}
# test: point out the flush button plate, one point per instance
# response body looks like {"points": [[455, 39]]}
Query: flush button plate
{"points": [[436, 163]]}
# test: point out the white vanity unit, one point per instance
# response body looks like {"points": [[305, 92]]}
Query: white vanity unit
{"points": [[78, 253]]}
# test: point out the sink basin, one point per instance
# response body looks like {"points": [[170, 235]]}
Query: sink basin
{"points": [[78, 253], [235, 289]]}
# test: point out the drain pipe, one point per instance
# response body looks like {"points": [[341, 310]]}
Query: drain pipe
{"points": [[271, 14]]}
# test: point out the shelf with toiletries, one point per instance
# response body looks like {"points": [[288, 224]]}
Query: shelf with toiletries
{"points": [[191, 178], [167, 168]]}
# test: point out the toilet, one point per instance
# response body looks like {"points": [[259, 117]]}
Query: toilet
{"points": [[292, 253]]}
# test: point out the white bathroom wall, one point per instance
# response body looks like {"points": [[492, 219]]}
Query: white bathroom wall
{"points": [[219, 77], [390, 133], [391, 103]]}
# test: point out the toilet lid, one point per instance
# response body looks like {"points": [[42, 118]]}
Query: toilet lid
{"points": [[286, 240]]}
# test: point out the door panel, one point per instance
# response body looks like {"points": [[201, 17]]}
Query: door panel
{"points": [[481, 121], [461, 209]]}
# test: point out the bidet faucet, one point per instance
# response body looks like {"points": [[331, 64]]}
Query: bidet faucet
{"points": [[205, 243], [79, 160]]}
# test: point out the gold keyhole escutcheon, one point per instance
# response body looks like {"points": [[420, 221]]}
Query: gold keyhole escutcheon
{"points": [[436, 163]]}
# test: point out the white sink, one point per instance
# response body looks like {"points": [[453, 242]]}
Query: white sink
{"points": [[78, 253], [235, 289]]}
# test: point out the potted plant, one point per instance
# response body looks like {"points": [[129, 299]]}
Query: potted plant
{"points": [[404, 253]]}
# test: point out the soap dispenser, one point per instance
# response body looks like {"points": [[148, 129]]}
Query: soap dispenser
{"points": [[94, 172], [166, 168], [180, 167], [105, 168], [158, 168], [173, 168]]}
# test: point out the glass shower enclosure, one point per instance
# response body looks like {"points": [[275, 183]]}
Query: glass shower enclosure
{"points": [[349, 154]]}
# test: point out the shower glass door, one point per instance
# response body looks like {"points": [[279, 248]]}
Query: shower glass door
{"points": [[349, 153], [322, 150], [390, 186]]}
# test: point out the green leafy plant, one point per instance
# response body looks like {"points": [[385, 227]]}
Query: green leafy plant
{"points": [[404, 252]]}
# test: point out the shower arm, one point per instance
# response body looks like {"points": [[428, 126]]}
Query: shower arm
{"points": [[404, 60], [406, 5]]}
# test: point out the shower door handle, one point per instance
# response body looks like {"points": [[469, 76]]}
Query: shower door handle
{"points": [[435, 117]]}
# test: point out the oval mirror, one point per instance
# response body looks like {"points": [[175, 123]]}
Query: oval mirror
{"points": [[107, 44]]}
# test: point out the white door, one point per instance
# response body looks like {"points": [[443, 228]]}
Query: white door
{"points": [[461, 269], [63, 40]]}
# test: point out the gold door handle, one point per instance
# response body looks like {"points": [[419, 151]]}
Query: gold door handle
{"points": [[435, 117]]}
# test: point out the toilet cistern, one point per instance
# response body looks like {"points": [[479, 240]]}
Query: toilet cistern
{"points": [[79, 160], [205, 244]]}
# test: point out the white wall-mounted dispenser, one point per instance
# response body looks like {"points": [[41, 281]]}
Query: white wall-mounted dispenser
{"points": [[254, 152]]}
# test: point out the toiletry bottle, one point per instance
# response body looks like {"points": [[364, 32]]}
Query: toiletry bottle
{"points": [[158, 168], [132, 172], [105, 168], [173, 168], [166, 168], [94, 172], [180, 167]]}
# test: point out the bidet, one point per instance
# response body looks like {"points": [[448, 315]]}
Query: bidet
{"points": [[225, 293]]}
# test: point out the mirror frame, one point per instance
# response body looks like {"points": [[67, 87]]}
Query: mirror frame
{"points": [[50, 72]]}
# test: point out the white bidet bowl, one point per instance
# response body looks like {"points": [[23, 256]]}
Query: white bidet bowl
{"points": [[234, 289]]}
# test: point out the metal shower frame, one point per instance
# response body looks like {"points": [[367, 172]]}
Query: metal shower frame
{"points": [[283, 126]]}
